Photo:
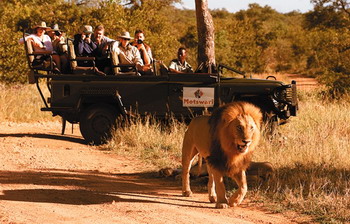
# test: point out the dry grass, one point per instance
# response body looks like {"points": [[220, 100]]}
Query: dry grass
{"points": [[310, 155], [151, 141], [22, 103]]}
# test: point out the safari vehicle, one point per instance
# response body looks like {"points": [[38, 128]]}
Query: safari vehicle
{"points": [[95, 102]]}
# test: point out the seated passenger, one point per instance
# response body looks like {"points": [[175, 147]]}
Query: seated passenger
{"points": [[180, 65], [59, 44], [42, 44], [85, 47], [144, 49], [102, 42], [127, 54]]}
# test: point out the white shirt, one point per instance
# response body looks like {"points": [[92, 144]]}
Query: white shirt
{"points": [[46, 41], [128, 55]]}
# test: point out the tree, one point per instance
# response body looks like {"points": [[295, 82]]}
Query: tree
{"points": [[329, 14], [205, 29]]}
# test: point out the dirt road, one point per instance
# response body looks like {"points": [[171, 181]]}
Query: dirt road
{"points": [[304, 83], [49, 178]]}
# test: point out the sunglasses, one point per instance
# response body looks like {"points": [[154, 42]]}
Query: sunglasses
{"points": [[125, 39]]}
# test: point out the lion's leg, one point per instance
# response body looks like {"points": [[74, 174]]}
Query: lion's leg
{"points": [[211, 186], [238, 196], [188, 154], [220, 189]]}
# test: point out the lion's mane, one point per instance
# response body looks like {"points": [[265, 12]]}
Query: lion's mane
{"points": [[219, 123]]}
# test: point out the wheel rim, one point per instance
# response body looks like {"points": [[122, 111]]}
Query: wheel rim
{"points": [[101, 124]]}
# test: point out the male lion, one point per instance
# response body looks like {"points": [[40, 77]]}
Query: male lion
{"points": [[226, 140]]}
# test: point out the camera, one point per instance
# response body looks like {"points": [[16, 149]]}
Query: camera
{"points": [[139, 41], [57, 33]]}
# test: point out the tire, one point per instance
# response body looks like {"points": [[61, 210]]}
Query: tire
{"points": [[97, 122], [271, 125]]}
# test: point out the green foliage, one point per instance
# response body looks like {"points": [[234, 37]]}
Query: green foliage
{"points": [[256, 40], [328, 56]]}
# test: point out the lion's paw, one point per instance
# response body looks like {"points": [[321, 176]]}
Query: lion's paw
{"points": [[212, 199], [221, 205], [187, 193], [235, 202]]}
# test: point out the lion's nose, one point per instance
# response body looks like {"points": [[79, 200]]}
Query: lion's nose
{"points": [[246, 142]]}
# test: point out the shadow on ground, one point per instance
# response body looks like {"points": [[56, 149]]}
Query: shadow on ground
{"points": [[89, 187], [68, 138]]}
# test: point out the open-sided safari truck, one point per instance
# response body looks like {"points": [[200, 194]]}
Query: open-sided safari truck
{"points": [[95, 102]]}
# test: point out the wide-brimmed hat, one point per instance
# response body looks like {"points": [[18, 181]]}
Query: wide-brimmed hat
{"points": [[41, 25], [55, 27], [86, 29], [125, 35]]}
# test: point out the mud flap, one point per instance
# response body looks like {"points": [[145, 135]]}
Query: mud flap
{"points": [[31, 77]]}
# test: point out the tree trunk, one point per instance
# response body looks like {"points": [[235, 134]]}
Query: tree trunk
{"points": [[205, 29]]}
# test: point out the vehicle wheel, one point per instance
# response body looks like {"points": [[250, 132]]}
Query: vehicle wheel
{"points": [[271, 126], [97, 123]]}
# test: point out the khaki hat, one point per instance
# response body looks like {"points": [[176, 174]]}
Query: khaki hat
{"points": [[41, 25], [86, 29], [125, 35], [55, 27]]}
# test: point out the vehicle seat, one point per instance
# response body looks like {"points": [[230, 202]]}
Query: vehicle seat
{"points": [[38, 64], [121, 69], [73, 61], [163, 70]]}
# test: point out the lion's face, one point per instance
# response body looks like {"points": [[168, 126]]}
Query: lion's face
{"points": [[241, 133]]}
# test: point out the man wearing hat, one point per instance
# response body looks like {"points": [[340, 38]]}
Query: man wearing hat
{"points": [[127, 53], [58, 40], [42, 44], [59, 44], [85, 47]]}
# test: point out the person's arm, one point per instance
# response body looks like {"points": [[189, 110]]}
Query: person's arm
{"points": [[149, 52], [78, 45], [189, 68], [79, 48], [21, 41], [109, 40], [137, 59], [173, 67], [145, 56], [93, 45]]}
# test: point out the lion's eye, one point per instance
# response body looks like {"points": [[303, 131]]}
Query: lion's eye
{"points": [[239, 128], [252, 128]]}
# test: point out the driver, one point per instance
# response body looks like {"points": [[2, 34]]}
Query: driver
{"points": [[180, 65]]}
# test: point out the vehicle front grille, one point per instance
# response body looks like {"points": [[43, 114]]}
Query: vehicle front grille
{"points": [[291, 95], [286, 94]]}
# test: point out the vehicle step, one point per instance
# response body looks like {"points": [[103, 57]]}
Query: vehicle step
{"points": [[56, 108]]}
